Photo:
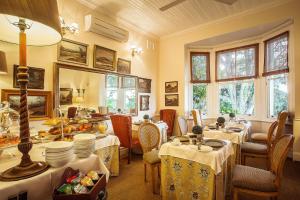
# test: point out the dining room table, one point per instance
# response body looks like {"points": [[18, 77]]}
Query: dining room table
{"points": [[190, 173]]}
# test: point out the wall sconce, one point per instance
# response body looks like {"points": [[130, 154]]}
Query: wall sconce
{"points": [[136, 50], [72, 28]]}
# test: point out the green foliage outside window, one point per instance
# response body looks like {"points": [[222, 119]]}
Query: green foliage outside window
{"points": [[199, 97]]}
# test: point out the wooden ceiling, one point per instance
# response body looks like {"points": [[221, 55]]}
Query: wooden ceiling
{"points": [[145, 14]]}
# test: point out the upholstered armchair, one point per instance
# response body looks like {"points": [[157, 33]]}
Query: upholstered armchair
{"points": [[168, 116], [122, 126]]}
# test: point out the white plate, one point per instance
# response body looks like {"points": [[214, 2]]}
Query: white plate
{"points": [[85, 136], [59, 145], [176, 143]]}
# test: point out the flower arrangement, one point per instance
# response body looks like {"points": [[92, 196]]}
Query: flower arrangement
{"points": [[221, 122], [146, 117]]}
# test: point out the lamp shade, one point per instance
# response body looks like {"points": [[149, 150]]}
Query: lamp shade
{"points": [[3, 66], [42, 16]]}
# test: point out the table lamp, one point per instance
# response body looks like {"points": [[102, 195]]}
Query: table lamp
{"points": [[40, 20]]}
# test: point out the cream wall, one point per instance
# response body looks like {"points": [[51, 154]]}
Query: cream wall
{"points": [[172, 52], [144, 65]]}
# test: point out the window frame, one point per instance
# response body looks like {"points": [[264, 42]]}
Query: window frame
{"points": [[256, 62], [236, 82], [280, 71], [207, 55], [286, 75]]}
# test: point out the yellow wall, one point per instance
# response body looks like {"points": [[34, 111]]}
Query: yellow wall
{"points": [[144, 65], [172, 51]]}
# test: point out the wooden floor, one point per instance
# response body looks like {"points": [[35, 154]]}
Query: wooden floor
{"points": [[130, 184]]}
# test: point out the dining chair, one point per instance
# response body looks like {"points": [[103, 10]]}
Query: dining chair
{"points": [[257, 150], [122, 126], [262, 137], [183, 126], [149, 137], [72, 112], [197, 117], [259, 182], [168, 116]]}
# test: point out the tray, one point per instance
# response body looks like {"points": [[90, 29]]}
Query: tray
{"points": [[214, 143], [91, 195]]}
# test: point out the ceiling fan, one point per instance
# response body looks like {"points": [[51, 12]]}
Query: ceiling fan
{"points": [[176, 2]]}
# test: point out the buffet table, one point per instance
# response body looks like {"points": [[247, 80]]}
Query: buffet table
{"points": [[41, 186], [188, 174]]}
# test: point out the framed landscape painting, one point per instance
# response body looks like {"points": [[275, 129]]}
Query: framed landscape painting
{"points": [[65, 96], [36, 78], [124, 66], [144, 102], [171, 100], [104, 58], [73, 52], [144, 85], [39, 102], [171, 87]]}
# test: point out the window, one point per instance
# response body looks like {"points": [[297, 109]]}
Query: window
{"points": [[277, 94], [276, 55], [200, 67], [129, 85], [112, 84], [237, 97], [237, 63], [199, 97]]}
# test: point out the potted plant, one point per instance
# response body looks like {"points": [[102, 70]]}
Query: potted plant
{"points": [[232, 116], [198, 130], [221, 122], [146, 118]]}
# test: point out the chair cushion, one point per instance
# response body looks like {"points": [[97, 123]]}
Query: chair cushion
{"points": [[151, 157], [250, 147], [260, 137], [253, 179]]}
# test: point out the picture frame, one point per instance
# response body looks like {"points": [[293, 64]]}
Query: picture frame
{"points": [[65, 96], [171, 100], [171, 87], [123, 66], [128, 82], [36, 78], [72, 52], [144, 85], [144, 102], [104, 58], [40, 105]]}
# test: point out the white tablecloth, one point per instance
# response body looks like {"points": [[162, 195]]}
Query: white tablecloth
{"points": [[109, 140], [213, 159], [41, 186]]}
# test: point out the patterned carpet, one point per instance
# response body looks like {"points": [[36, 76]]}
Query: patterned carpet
{"points": [[130, 184]]}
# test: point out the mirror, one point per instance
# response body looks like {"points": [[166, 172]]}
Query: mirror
{"points": [[94, 91]]}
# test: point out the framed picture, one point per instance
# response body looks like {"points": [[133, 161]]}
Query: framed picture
{"points": [[124, 66], [144, 102], [36, 78], [39, 102], [171, 87], [104, 58], [73, 52], [128, 82], [171, 100], [65, 96], [144, 85]]}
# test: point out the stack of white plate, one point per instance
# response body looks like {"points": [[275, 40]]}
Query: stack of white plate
{"points": [[84, 145], [59, 153]]}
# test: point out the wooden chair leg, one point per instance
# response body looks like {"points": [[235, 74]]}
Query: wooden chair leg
{"points": [[153, 178], [145, 172], [158, 168], [129, 155], [235, 194]]}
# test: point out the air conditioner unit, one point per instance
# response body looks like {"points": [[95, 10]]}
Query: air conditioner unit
{"points": [[97, 25]]}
